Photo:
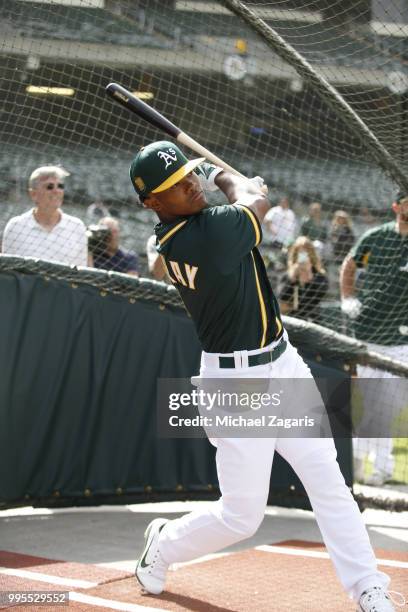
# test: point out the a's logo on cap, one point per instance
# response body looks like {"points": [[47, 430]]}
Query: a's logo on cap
{"points": [[168, 156], [139, 182]]}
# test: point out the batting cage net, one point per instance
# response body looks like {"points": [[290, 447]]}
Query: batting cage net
{"points": [[310, 95]]}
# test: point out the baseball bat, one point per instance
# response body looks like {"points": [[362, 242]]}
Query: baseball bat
{"points": [[152, 116]]}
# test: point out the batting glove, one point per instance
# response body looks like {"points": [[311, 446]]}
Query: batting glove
{"points": [[257, 181], [351, 307], [259, 184]]}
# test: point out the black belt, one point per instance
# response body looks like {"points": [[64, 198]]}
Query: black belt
{"points": [[259, 359]]}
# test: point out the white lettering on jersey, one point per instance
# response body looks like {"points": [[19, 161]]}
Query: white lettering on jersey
{"points": [[177, 273], [191, 272]]}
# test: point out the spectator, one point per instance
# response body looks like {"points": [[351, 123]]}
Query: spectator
{"points": [[280, 223], [305, 284], [341, 235], [45, 232], [313, 226], [154, 262], [379, 317], [111, 256]]}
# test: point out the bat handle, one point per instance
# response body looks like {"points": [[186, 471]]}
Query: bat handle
{"points": [[186, 140]]}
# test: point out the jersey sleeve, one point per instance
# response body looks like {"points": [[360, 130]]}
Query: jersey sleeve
{"points": [[232, 232], [206, 173], [360, 252]]}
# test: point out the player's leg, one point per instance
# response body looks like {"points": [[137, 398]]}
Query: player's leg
{"points": [[243, 468], [337, 514]]}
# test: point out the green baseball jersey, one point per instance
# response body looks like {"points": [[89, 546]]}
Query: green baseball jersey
{"points": [[212, 259], [383, 253]]}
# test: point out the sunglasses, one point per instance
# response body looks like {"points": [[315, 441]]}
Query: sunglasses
{"points": [[51, 186]]}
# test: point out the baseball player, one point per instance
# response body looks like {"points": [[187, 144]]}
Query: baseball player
{"points": [[379, 318], [212, 258]]}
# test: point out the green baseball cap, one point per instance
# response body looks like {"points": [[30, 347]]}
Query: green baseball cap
{"points": [[158, 166]]}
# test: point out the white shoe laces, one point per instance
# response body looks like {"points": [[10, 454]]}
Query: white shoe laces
{"points": [[377, 594], [157, 564]]}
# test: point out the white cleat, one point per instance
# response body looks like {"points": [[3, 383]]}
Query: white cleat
{"points": [[151, 569], [377, 599]]}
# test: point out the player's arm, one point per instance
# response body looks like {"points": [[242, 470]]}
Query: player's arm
{"points": [[350, 305], [348, 277], [244, 191], [157, 269], [154, 262]]}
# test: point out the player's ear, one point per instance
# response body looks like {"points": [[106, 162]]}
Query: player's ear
{"points": [[395, 207], [151, 202]]}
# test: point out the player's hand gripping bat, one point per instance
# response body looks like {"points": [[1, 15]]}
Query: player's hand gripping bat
{"points": [[149, 114]]}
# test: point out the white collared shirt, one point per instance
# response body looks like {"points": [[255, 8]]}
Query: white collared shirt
{"points": [[284, 224], [65, 243]]}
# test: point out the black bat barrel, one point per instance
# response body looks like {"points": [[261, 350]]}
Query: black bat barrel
{"points": [[140, 108]]}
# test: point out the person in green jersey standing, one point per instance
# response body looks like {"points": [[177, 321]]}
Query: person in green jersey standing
{"points": [[379, 316], [212, 259]]}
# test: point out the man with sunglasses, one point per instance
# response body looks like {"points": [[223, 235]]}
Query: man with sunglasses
{"points": [[45, 232]]}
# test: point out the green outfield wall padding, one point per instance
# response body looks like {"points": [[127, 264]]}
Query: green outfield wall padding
{"points": [[78, 394]]}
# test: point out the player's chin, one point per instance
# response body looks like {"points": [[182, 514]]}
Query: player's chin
{"points": [[199, 202]]}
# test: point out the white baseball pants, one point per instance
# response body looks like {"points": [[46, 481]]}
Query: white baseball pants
{"points": [[244, 468], [381, 408]]}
